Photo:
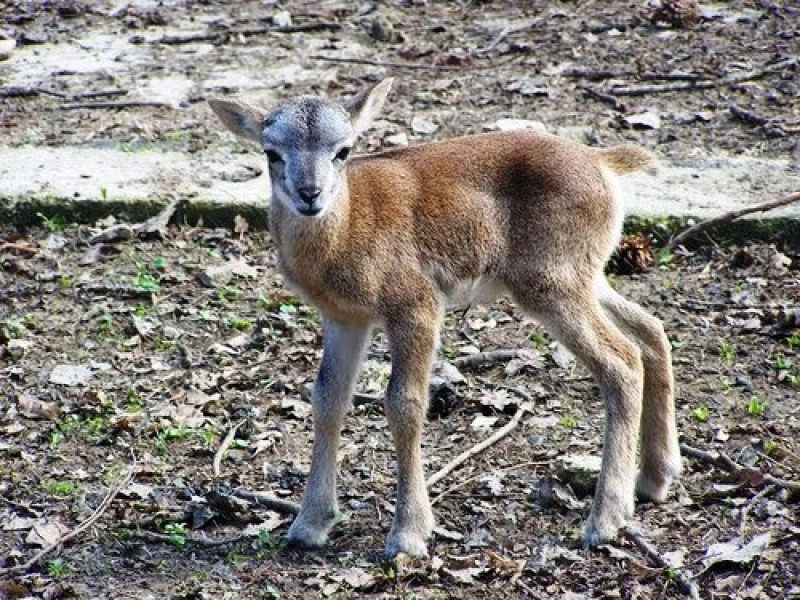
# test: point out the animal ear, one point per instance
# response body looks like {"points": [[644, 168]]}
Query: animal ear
{"points": [[242, 119], [364, 107]]}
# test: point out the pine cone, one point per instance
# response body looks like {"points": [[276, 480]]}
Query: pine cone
{"points": [[677, 13], [634, 254]]}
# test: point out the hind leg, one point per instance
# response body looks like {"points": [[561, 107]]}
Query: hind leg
{"points": [[576, 319], [660, 454]]}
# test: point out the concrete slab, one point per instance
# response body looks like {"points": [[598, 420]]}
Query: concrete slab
{"points": [[697, 186]]}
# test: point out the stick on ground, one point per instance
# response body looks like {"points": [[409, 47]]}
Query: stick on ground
{"points": [[83, 526], [724, 462], [730, 216], [479, 447], [223, 448], [483, 358], [269, 501], [685, 584], [642, 90]]}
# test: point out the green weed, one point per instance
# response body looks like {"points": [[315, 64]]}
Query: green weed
{"points": [[701, 413], [728, 352], [755, 407]]}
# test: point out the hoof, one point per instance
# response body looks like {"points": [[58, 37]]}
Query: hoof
{"points": [[409, 544], [308, 534]]}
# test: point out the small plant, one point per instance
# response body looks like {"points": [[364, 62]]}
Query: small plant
{"points": [[569, 422], [665, 258], [728, 351], [783, 364], [449, 352], [177, 534], [770, 446], [171, 434], [793, 341], [755, 407], [65, 282], [54, 223], [207, 435], [62, 488], [540, 341], [57, 568], [104, 193], [677, 344], [141, 310], [240, 323], [148, 277], [134, 400], [701, 413], [228, 294], [107, 325]]}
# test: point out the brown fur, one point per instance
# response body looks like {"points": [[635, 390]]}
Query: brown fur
{"points": [[535, 215]]}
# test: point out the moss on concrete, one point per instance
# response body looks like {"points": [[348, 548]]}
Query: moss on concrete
{"points": [[28, 211]]}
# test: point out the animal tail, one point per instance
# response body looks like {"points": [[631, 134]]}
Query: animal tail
{"points": [[627, 159]]}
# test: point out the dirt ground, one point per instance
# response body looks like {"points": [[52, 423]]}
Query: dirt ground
{"points": [[120, 358]]}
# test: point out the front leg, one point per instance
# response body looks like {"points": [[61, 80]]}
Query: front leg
{"points": [[341, 363], [413, 341]]}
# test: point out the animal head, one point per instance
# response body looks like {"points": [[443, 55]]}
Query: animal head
{"points": [[307, 143]]}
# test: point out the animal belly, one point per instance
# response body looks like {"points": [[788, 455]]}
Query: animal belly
{"points": [[483, 289]]}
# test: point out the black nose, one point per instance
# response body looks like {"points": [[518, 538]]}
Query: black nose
{"points": [[309, 194]]}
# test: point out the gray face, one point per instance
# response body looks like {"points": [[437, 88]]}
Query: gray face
{"points": [[307, 143]]}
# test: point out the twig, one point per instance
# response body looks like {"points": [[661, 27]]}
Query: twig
{"points": [[83, 526], [479, 447], [117, 291], [268, 501], [482, 358], [189, 539], [641, 90], [511, 388], [384, 63], [223, 448], [407, 65], [511, 29], [211, 36], [603, 97], [746, 508], [724, 462], [469, 480], [99, 94], [730, 216], [17, 91], [116, 104], [20, 248], [685, 584]]}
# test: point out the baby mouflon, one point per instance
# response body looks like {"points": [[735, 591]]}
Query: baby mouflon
{"points": [[392, 239]]}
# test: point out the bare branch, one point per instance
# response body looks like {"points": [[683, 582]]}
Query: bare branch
{"points": [[83, 526], [483, 358], [730, 216], [479, 447], [268, 501], [724, 462], [685, 584], [223, 448]]}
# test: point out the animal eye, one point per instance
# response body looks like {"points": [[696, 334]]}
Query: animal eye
{"points": [[274, 157], [343, 154]]}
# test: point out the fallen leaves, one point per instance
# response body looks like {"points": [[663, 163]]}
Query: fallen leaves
{"points": [[736, 551]]}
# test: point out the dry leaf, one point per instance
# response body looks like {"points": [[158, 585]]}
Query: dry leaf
{"points": [[482, 423], [734, 552], [33, 408], [70, 375]]}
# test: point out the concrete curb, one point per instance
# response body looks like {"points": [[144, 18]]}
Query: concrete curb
{"points": [[82, 185]]}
